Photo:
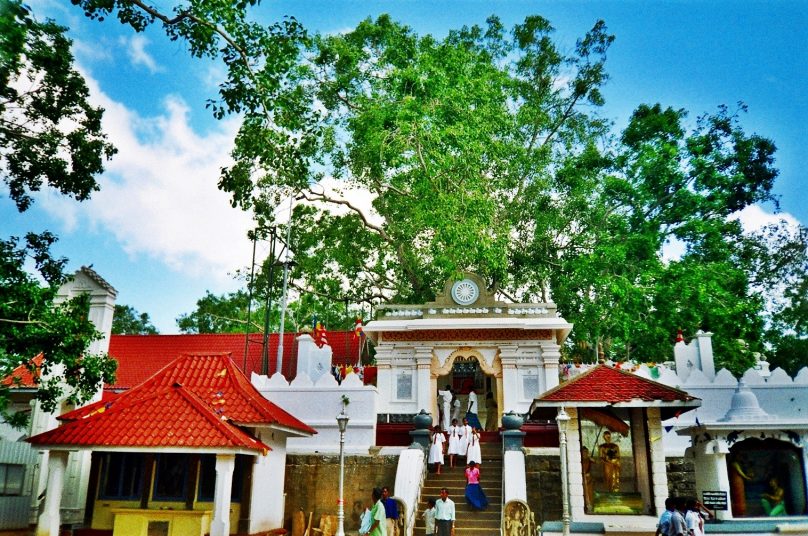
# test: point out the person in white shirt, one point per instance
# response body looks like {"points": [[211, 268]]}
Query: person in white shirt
{"points": [[445, 407], [429, 518], [693, 520], [444, 514], [473, 409], [456, 443], [436, 449]]}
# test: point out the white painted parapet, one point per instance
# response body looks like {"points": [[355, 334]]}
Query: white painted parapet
{"points": [[318, 404], [697, 355], [513, 473], [312, 360], [409, 480]]}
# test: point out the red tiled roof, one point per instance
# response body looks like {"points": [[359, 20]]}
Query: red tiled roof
{"points": [[613, 386], [216, 380], [139, 356], [170, 416], [22, 376]]}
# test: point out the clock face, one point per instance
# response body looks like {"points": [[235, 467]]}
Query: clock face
{"points": [[465, 292]]}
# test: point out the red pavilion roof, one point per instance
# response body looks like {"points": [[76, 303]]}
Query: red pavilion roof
{"points": [[197, 401], [607, 386]]}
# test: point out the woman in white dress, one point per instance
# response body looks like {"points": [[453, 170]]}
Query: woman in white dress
{"points": [[436, 449], [466, 437], [455, 441], [474, 454]]}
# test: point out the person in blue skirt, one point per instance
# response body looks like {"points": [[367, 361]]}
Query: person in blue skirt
{"points": [[474, 492]]}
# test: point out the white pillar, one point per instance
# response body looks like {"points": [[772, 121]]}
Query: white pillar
{"points": [[49, 519], [510, 378], [550, 356], [423, 388], [267, 498], [659, 472], [220, 526]]}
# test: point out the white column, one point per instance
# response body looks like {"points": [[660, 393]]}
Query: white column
{"points": [[550, 355], [266, 496], [575, 470], [423, 386], [659, 472], [384, 375], [510, 378], [49, 520], [220, 526]]}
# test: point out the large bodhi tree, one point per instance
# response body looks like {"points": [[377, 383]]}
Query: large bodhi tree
{"points": [[484, 151]]}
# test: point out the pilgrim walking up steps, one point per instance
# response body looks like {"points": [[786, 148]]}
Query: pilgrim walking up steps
{"points": [[469, 522]]}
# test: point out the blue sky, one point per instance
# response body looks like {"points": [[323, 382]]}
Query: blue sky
{"points": [[161, 233]]}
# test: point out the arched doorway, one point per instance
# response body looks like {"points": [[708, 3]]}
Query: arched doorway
{"points": [[465, 370], [760, 471]]}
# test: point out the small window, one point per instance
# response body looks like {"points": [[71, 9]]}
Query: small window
{"points": [[122, 476], [11, 478], [207, 477], [171, 477]]}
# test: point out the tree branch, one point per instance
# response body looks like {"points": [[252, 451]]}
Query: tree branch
{"points": [[325, 199]]}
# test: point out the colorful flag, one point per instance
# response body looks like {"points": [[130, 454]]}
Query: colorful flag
{"points": [[358, 331], [319, 333]]}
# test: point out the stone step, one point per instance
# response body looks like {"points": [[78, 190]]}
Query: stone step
{"points": [[469, 522]]}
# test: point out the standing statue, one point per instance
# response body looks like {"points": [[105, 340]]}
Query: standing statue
{"points": [[738, 477], [586, 468], [609, 454]]}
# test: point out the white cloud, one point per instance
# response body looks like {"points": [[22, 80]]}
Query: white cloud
{"points": [[754, 217], [159, 196], [136, 50]]}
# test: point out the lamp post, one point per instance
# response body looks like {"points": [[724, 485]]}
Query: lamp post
{"points": [[342, 422], [563, 419]]}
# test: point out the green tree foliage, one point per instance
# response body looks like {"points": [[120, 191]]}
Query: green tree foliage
{"points": [[49, 132], [484, 151], [227, 313], [128, 321], [32, 323], [220, 314], [50, 136]]}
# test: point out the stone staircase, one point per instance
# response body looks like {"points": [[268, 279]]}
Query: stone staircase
{"points": [[469, 522]]}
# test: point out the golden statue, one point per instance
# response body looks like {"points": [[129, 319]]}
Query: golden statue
{"points": [[609, 454]]}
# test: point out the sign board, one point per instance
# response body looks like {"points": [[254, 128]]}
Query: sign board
{"points": [[716, 500]]}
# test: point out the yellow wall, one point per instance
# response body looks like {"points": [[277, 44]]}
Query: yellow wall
{"points": [[104, 519], [132, 522]]}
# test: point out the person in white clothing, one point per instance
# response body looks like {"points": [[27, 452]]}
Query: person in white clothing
{"points": [[445, 406], [465, 437], [473, 409], [436, 449], [473, 454], [455, 441], [693, 520]]}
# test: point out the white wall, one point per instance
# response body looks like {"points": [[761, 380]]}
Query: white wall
{"points": [[267, 498], [318, 404]]}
